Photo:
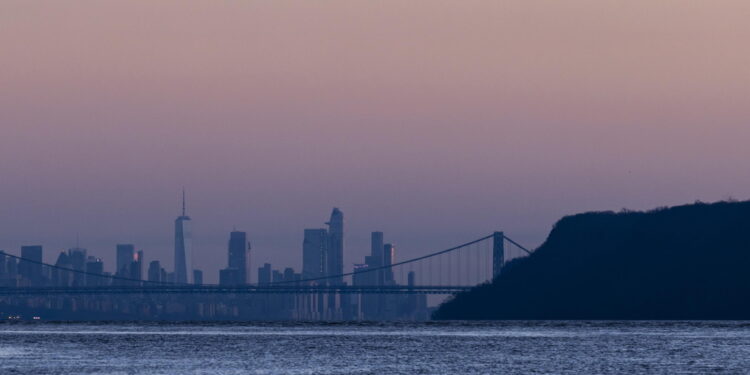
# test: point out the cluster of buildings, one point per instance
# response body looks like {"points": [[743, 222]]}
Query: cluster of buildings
{"points": [[30, 272], [74, 268], [322, 264]]}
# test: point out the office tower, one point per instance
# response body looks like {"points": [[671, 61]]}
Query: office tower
{"points": [[277, 276], [94, 266], [136, 267], [125, 256], [154, 271], [11, 265], [183, 250], [229, 276], [361, 276], [60, 276], [335, 253], [197, 277], [30, 267], [370, 277], [289, 274], [239, 255], [389, 257], [376, 254], [77, 258], [314, 250], [376, 245], [7, 270], [372, 305], [264, 274]]}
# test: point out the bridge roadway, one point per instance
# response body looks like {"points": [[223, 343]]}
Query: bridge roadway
{"points": [[244, 289]]}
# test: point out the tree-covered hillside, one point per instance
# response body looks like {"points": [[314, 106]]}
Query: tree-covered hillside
{"points": [[686, 262]]}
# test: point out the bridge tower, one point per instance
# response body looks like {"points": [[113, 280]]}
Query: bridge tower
{"points": [[498, 253]]}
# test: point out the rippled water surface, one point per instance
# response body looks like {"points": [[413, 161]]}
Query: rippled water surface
{"points": [[388, 348]]}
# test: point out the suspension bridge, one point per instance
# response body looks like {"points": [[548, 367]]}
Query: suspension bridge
{"points": [[448, 271]]}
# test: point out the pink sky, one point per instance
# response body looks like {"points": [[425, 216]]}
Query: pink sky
{"points": [[433, 121]]}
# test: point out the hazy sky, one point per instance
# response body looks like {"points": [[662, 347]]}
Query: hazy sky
{"points": [[434, 121]]}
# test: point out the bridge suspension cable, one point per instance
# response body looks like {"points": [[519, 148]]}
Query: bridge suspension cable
{"points": [[385, 267], [411, 262], [73, 270], [517, 244]]}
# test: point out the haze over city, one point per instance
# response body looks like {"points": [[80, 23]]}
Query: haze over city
{"points": [[374, 186], [455, 120]]}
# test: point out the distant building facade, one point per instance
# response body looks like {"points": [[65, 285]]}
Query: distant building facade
{"points": [[30, 266], [335, 249], [238, 258], [314, 251], [376, 256], [389, 258], [155, 271], [77, 258], [124, 257], [95, 266], [264, 274]]}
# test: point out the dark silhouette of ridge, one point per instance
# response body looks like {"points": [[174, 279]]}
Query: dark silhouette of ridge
{"points": [[685, 262]]}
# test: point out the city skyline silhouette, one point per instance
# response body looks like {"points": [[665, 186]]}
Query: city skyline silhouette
{"points": [[374, 186], [426, 130]]}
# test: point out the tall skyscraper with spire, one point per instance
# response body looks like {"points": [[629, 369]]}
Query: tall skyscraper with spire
{"points": [[335, 254], [183, 249]]}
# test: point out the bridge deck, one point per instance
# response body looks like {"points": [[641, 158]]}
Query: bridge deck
{"points": [[220, 289]]}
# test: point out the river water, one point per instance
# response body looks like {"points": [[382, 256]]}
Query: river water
{"points": [[561, 347]]}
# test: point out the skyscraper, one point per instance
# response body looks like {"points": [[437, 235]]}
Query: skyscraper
{"points": [[183, 250], [136, 267], [314, 251], [77, 257], [61, 276], [335, 253], [239, 255], [372, 305], [389, 257], [154, 271], [125, 257], [31, 270], [289, 274], [229, 276], [11, 275], [94, 266], [264, 274], [197, 277], [361, 276], [376, 254]]}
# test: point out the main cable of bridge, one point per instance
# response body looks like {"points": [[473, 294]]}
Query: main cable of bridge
{"points": [[111, 277], [413, 260], [385, 267], [517, 244]]}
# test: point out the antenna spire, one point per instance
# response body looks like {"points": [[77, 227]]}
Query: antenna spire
{"points": [[183, 201]]}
